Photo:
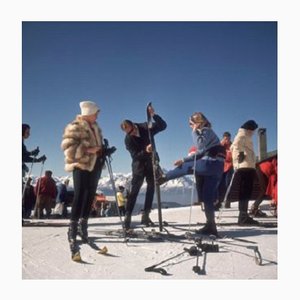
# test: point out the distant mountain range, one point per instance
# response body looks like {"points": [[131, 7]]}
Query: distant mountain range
{"points": [[176, 192]]}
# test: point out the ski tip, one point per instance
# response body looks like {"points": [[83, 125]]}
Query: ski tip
{"points": [[149, 104], [103, 250], [76, 257]]}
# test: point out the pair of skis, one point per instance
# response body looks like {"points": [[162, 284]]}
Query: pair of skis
{"points": [[155, 166]]}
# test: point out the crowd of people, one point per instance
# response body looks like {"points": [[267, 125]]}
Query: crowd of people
{"points": [[212, 161]]}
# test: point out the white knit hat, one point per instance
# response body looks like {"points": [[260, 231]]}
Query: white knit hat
{"points": [[88, 108]]}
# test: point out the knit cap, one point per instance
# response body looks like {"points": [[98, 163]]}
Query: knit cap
{"points": [[250, 125]]}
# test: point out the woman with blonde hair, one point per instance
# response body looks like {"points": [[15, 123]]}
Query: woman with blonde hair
{"points": [[207, 161]]}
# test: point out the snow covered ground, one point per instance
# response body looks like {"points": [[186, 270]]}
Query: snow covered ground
{"points": [[45, 250]]}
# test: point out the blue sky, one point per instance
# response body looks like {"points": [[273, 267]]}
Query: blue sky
{"points": [[227, 70]]}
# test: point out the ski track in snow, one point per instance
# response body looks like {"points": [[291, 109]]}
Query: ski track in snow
{"points": [[46, 253]]}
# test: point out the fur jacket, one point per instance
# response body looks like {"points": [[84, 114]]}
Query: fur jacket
{"points": [[243, 143], [78, 136]]}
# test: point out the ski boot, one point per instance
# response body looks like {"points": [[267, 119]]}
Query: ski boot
{"points": [[82, 230], [72, 232], [158, 171], [209, 228], [159, 175], [245, 220], [256, 212], [161, 179], [146, 219]]}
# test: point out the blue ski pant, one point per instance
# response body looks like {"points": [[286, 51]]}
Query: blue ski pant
{"points": [[211, 171]]}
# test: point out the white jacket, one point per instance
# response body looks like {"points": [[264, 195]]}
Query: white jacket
{"points": [[243, 143]]}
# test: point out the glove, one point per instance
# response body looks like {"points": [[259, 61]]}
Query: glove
{"points": [[25, 168], [42, 159], [105, 143], [241, 157], [35, 152], [110, 151]]}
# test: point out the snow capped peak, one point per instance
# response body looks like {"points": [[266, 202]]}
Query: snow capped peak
{"points": [[177, 190], [104, 183]]}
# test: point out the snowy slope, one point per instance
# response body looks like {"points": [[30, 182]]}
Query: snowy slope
{"points": [[45, 253]]}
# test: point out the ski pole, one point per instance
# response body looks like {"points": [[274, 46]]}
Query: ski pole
{"points": [[109, 168], [229, 186], [155, 166], [28, 176], [192, 194], [162, 271]]}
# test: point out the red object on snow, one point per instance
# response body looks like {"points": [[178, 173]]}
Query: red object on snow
{"points": [[269, 168]]}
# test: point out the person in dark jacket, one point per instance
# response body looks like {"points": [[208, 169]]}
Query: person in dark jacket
{"points": [[28, 199], [138, 144], [29, 156]]}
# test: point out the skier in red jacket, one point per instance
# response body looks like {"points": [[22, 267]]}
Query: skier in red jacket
{"points": [[267, 175], [45, 191]]}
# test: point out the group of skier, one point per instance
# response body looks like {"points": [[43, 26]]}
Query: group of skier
{"points": [[85, 153]]}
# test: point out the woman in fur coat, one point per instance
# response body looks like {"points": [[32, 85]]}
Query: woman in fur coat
{"points": [[84, 156]]}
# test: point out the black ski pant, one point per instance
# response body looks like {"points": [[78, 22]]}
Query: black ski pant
{"points": [[144, 171], [85, 186], [122, 210], [247, 176]]}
